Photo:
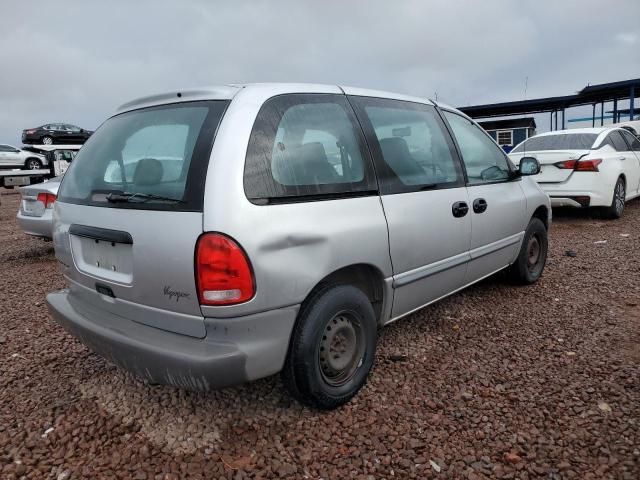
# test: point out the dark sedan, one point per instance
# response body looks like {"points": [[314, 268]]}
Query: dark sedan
{"points": [[59, 133]]}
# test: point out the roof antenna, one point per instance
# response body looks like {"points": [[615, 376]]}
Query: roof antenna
{"points": [[524, 145], [436, 94]]}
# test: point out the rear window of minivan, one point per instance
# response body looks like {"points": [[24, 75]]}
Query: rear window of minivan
{"points": [[151, 158]]}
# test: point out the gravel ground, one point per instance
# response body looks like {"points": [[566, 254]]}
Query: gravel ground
{"points": [[494, 382]]}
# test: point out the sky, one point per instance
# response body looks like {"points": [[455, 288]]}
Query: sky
{"points": [[77, 61]]}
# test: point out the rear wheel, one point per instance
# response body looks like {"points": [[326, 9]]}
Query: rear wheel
{"points": [[616, 208], [532, 258], [32, 164], [332, 347], [47, 140]]}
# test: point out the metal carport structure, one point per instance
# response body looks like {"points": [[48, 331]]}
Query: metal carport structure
{"points": [[589, 95]]}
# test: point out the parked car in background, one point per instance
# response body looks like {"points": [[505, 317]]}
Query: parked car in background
{"points": [[586, 167], [317, 214], [60, 133], [632, 125], [12, 157], [35, 216]]}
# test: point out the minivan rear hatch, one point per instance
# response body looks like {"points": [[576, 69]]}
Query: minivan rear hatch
{"points": [[129, 214]]}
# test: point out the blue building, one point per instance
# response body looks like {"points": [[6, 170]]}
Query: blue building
{"points": [[510, 132]]}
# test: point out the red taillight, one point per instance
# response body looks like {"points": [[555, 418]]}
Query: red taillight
{"points": [[47, 198], [567, 164], [223, 271], [580, 165], [588, 165], [29, 132]]}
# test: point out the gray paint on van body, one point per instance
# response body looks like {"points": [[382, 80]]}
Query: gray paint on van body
{"points": [[420, 250]]}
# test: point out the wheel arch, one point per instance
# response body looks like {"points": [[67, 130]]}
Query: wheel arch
{"points": [[619, 176], [542, 213], [366, 277]]}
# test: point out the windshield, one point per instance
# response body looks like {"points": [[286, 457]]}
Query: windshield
{"points": [[563, 141], [160, 153]]}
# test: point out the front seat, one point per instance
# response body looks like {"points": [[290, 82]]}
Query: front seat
{"points": [[396, 154], [304, 165]]}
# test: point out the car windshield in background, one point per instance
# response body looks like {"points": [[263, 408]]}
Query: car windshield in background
{"points": [[565, 141], [157, 154]]}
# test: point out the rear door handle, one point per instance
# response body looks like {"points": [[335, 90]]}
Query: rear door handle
{"points": [[479, 205], [459, 209]]}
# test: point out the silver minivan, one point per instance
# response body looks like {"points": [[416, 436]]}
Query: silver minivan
{"points": [[216, 236]]}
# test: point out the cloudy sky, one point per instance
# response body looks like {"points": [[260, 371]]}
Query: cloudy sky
{"points": [[76, 61]]}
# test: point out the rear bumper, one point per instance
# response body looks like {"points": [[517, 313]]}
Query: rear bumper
{"points": [[30, 138], [580, 185], [37, 226], [573, 201], [235, 350]]}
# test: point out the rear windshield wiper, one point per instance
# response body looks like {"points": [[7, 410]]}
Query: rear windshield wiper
{"points": [[138, 197]]}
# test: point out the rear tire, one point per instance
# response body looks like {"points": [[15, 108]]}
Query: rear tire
{"points": [[616, 208], [32, 164], [532, 258], [47, 140], [332, 347]]}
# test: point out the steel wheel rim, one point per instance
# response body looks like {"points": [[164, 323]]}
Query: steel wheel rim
{"points": [[533, 251], [341, 348], [619, 197]]}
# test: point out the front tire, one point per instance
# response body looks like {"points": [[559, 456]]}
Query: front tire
{"points": [[616, 208], [47, 140], [32, 164], [332, 347], [532, 258]]}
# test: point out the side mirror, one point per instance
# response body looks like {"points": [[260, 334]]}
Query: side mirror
{"points": [[529, 166]]}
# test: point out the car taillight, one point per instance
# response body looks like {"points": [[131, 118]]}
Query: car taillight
{"points": [[47, 198], [567, 164], [29, 132], [580, 165], [223, 271], [588, 165]]}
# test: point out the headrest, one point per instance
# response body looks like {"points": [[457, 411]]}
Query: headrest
{"points": [[393, 147], [148, 171]]}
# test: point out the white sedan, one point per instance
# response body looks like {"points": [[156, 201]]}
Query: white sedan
{"points": [[586, 167], [12, 157], [35, 216]]}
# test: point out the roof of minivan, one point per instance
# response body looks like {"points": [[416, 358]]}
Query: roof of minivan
{"points": [[227, 92]]}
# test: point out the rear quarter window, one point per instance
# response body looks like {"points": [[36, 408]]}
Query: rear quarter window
{"points": [[306, 147], [617, 142], [632, 140]]}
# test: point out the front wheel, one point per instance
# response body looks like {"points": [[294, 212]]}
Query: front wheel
{"points": [[616, 208], [332, 347], [532, 258]]}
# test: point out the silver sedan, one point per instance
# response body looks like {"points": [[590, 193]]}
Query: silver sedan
{"points": [[36, 208]]}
